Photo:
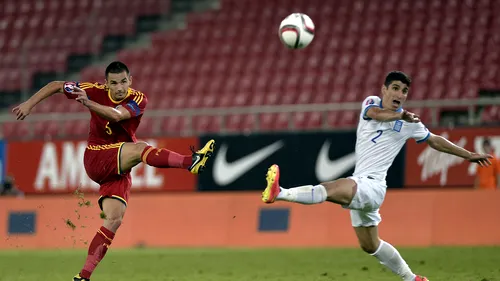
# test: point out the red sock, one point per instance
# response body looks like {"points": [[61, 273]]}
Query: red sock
{"points": [[97, 249], [163, 158]]}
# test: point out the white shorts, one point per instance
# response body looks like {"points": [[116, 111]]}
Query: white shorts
{"points": [[366, 202]]}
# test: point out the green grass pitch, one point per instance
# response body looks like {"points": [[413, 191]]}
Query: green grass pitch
{"points": [[450, 264]]}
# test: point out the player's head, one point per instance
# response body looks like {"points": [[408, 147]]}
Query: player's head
{"points": [[395, 89], [118, 79], [487, 146]]}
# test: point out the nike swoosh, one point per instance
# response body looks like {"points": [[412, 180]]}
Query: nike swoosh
{"points": [[225, 173], [327, 169], [196, 160]]}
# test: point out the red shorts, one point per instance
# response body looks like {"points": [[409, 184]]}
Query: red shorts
{"points": [[102, 164]]}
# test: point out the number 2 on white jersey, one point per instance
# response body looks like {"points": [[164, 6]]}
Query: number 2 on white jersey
{"points": [[379, 133]]}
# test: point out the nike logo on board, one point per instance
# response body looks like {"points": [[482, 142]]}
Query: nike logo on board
{"points": [[327, 169], [225, 173]]}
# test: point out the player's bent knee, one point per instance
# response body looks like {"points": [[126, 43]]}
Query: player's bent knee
{"points": [[139, 148], [369, 248], [114, 210], [340, 191], [369, 245], [368, 238], [114, 223], [133, 151], [113, 220]]}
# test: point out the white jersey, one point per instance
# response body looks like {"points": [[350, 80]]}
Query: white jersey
{"points": [[378, 143]]}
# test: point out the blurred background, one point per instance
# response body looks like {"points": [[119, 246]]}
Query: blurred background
{"points": [[217, 69]]}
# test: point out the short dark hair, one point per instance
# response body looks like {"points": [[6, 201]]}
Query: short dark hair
{"points": [[397, 76], [116, 67]]}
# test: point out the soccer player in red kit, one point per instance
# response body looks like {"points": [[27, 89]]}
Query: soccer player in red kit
{"points": [[113, 150]]}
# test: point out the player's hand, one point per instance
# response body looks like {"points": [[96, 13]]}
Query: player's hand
{"points": [[482, 159], [22, 110], [81, 95], [410, 117]]}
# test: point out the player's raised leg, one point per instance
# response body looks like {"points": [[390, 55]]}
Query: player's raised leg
{"points": [[114, 210], [340, 191], [132, 154], [387, 255]]}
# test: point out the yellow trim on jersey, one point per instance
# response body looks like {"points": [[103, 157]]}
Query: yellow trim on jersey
{"points": [[112, 196], [129, 92], [119, 198], [104, 146], [118, 158], [138, 97]]}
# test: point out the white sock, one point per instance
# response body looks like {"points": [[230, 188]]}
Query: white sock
{"points": [[306, 194], [390, 257]]}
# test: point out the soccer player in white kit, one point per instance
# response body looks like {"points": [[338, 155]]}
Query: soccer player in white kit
{"points": [[383, 129]]}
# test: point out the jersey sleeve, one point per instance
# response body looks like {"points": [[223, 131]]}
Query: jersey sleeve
{"points": [[69, 87], [137, 104], [420, 133], [369, 102]]}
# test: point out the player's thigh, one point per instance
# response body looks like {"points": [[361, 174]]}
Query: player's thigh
{"points": [[130, 155], [113, 208], [117, 188], [368, 238], [340, 191], [370, 195], [114, 211]]}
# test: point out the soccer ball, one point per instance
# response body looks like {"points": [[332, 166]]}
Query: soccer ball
{"points": [[296, 31]]}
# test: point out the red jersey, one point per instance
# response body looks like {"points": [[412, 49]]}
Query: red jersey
{"points": [[103, 131]]}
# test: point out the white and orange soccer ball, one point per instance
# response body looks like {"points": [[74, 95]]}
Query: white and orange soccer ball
{"points": [[296, 31]]}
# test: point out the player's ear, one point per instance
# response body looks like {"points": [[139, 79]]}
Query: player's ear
{"points": [[130, 80]]}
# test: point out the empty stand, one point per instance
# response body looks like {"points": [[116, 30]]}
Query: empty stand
{"points": [[38, 36], [232, 57]]}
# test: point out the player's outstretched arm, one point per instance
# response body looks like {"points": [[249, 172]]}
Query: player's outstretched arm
{"points": [[109, 113], [441, 144], [386, 115], [48, 90]]}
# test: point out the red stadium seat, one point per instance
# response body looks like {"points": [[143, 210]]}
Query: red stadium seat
{"points": [[76, 128], [206, 124], [146, 127], [240, 123], [17, 129], [307, 120], [47, 129], [174, 125], [491, 114]]}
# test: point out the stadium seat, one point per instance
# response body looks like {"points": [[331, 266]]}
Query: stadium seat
{"points": [[17, 130], [491, 114], [176, 125], [76, 128], [146, 128], [307, 120], [240, 123]]}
